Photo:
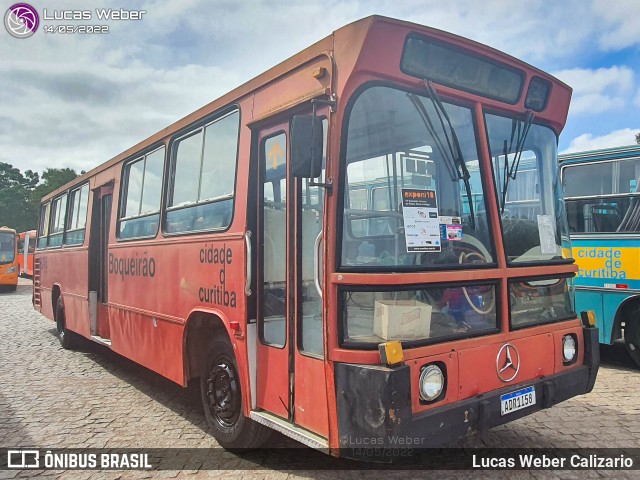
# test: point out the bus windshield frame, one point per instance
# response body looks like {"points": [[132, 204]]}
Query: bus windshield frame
{"points": [[378, 173]]}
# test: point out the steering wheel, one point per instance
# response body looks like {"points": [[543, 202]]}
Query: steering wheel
{"points": [[464, 258]]}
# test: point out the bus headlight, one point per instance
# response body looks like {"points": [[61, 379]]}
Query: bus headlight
{"points": [[13, 269], [569, 349], [431, 382]]}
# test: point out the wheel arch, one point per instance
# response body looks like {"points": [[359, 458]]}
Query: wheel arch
{"points": [[622, 312], [56, 293], [200, 328]]}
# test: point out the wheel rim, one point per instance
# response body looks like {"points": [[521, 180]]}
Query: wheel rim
{"points": [[223, 392]]}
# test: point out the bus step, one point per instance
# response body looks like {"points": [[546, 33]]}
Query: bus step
{"points": [[290, 430], [103, 341]]}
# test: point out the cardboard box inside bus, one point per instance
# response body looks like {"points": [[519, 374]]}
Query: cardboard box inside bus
{"points": [[401, 319]]}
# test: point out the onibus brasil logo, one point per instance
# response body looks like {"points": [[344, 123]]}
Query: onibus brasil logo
{"points": [[21, 20]]}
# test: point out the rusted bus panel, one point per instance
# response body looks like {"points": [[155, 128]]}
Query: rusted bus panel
{"points": [[293, 88], [67, 269], [478, 366], [311, 410], [169, 281], [171, 278], [152, 342]]}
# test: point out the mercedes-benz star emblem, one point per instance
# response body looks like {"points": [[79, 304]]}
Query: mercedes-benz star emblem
{"points": [[508, 362]]}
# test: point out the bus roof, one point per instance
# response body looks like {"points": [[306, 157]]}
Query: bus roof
{"points": [[627, 151], [347, 40], [6, 229]]}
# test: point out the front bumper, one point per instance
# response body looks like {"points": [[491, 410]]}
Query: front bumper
{"points": [[9, 278], [374, 406]]}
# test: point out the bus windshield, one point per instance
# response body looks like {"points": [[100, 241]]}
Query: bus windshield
{"points": [[7, 247], [413, 191], [525, 169], [602, 197]]}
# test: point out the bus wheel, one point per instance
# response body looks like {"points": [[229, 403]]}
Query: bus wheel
{"points": [[66, 337], [222, 401], [632, 334]]}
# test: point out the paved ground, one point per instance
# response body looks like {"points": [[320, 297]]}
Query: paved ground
{"points": [[52, 398]]}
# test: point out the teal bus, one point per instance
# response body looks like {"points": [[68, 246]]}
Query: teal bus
{"points": [[602, 198]]}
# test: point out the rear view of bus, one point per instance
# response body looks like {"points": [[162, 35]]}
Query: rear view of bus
{"points": [[9, 267]]}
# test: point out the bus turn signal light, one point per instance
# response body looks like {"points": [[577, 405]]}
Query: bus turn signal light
{"points": [[391, 353], [588, 318]]}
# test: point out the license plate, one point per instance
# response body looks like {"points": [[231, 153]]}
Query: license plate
{"points": [[511, 402]]}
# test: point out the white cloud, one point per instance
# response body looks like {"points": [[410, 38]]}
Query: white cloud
{"points": [[79, 116], [620, 23], [616, 138], [636, 100], [596, 91]]}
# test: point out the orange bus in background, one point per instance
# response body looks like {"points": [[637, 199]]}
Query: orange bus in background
{"points": [[9, 267], [26, 249], [341, 258]]}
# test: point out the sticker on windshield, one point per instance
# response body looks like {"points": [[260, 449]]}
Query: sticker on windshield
{"points": [[421, 220], [547, 233], [454, 232], [450, 228]]}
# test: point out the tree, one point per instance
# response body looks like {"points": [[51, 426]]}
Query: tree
{"points": [[15, 208], [638, 138], [20, 193], [52, 179]]}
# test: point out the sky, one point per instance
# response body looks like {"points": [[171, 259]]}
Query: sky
{"points": [[72, 100]]}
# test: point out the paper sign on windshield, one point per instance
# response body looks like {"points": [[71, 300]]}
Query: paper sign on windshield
{"points": [[421, 222]]}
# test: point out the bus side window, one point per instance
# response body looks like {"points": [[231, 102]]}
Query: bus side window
{"points": [[141, 188], [43, 229], [204, 173], [58, 214]]}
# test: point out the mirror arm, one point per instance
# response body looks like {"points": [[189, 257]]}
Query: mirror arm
{"points": [[332, 103], [328, 186]]}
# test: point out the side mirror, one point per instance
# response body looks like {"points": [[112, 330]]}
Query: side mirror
{"points": [[306, 146]]}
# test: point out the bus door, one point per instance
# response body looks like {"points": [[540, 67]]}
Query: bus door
{"points": [[290, 352], [98, 263], [29, 244]]}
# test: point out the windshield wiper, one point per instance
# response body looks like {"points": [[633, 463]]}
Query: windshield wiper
{"points": [[424, 115], [510, 171], [454, 156]]}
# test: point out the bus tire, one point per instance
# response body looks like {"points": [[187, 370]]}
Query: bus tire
{"points": [[632, 334], [68, 339], [222, 401]]}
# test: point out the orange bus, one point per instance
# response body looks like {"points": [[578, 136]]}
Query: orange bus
{"points": [[9, 267], [336, 249], [26, 248]]}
